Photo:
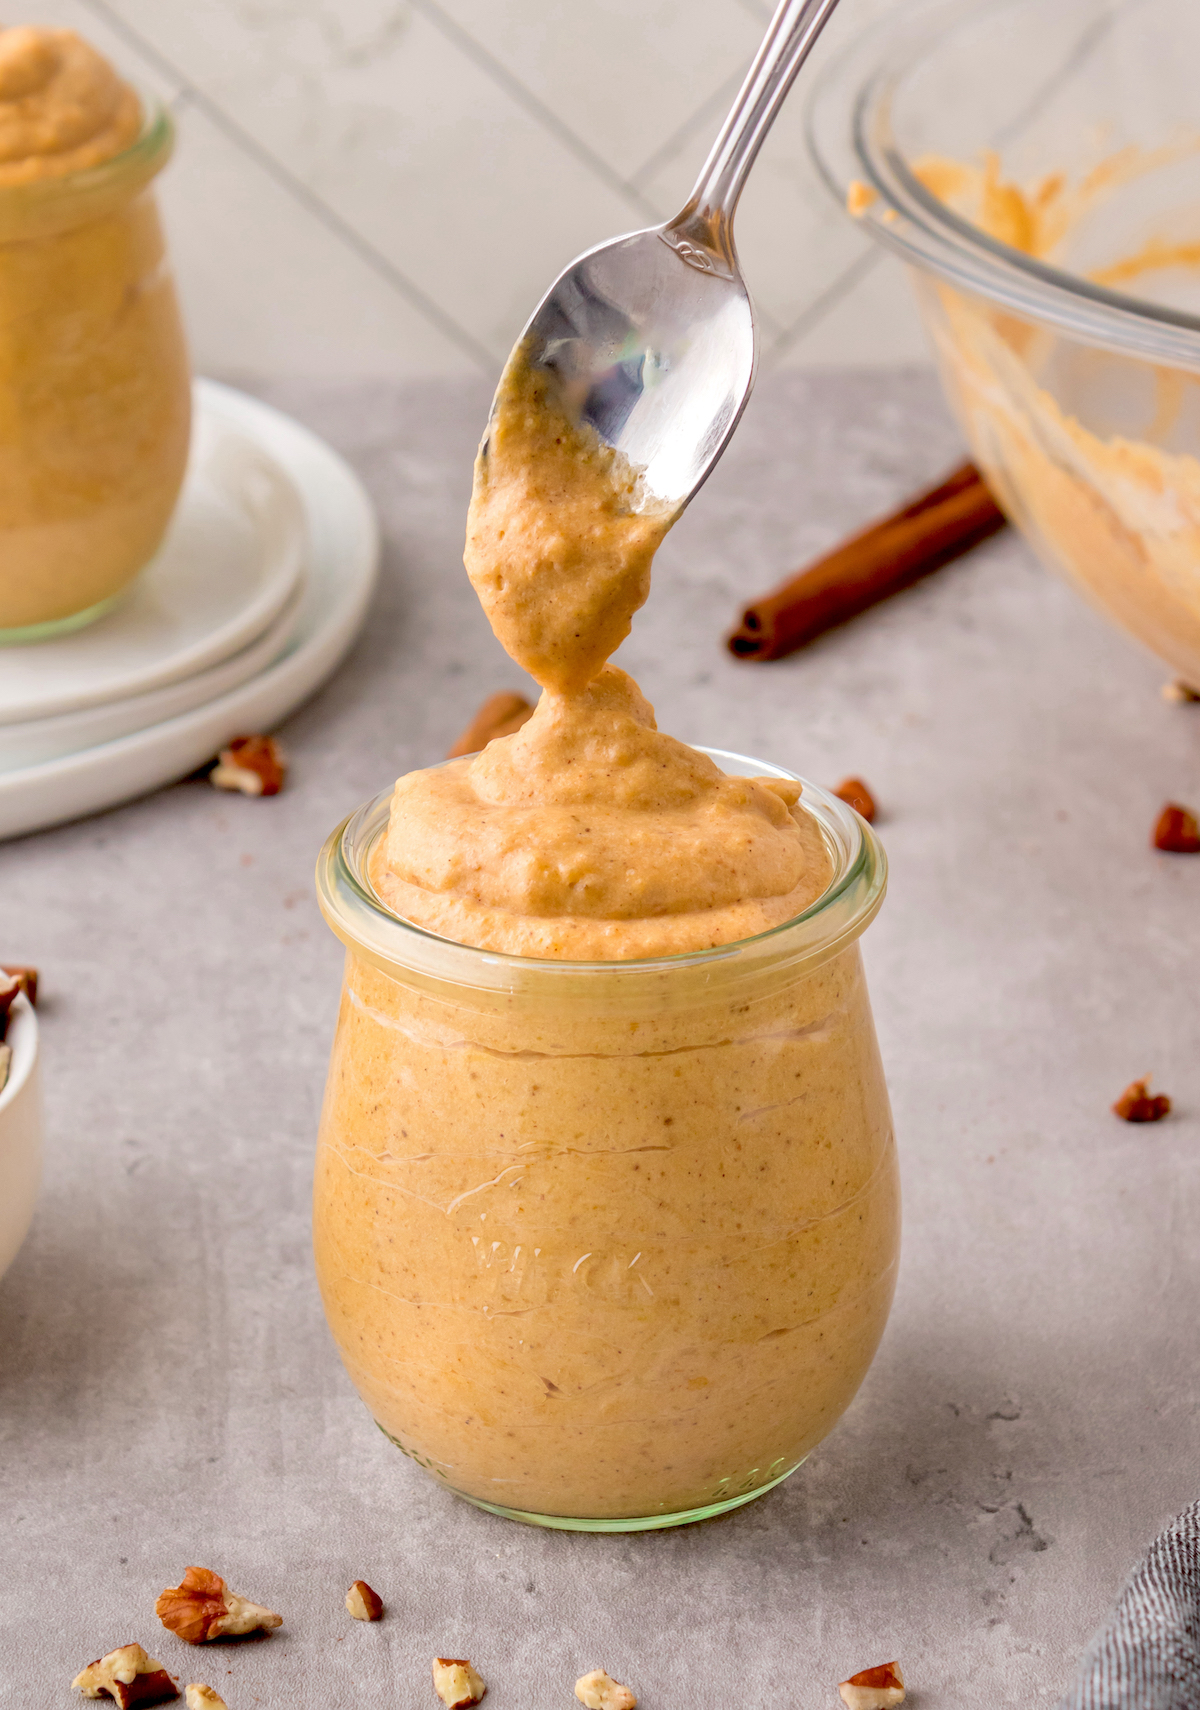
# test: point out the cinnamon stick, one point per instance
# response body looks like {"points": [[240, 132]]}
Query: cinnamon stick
{"points": [[499, 715], [933, 528]]}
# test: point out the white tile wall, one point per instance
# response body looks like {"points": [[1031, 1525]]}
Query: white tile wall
{"points": [[385, 187]]}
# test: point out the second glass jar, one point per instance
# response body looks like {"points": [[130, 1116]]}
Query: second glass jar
{"points": [[95, 400]]}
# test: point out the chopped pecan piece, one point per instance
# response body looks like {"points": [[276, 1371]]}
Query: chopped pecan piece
{"points": [[856, 793], [456, 1683], [1180, 692], [599, 1691], [1176, 831], [251, 764], [363, 1603], [500, 715], [198, 1697], [10, 991], [28, 978], [874, 1688], [1137, 1105], [128, 1675], [201, 1607]]}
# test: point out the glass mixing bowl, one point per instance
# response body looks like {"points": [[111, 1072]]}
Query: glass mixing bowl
{"points": [[1038, 169]]}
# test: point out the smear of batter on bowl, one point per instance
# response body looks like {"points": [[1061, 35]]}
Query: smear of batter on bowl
{"points": [[1116, 511]]}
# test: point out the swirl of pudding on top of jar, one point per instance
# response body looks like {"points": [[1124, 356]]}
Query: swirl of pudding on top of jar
{"points": [[589, 834], [62, 106]]}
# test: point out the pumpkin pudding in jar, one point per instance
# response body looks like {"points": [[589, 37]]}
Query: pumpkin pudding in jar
{"points": [[94, 385], [606, 1211]]}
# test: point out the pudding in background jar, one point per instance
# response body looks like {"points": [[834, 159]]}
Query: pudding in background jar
{"points": [[94, 384], [606, 1213]]}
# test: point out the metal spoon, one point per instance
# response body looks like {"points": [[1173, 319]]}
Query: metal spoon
{"points": [[652, 335]]}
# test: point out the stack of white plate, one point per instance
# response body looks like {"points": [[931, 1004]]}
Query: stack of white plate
{"points": [[257, 592]]}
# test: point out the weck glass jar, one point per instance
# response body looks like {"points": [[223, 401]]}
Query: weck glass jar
{"points": [[95, 398], [607, 1245]]}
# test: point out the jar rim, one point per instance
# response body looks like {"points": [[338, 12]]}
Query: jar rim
{"points": [[844, 909], [850, 135]]}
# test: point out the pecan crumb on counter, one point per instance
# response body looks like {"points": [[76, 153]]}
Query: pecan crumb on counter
{"points": [[500, 715], [252, 764], [1179, 692], [874, 1688], [457, 1683], [599, 1691], [201, 1607], [26, 978], [198, 1697], [1137, 1105], [858, 796], [363, 1603], [1176, 831], [14, 979], [10, 991], [127, 1675]]}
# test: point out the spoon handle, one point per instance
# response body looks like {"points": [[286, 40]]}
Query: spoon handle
{"points": [[707, 217]]}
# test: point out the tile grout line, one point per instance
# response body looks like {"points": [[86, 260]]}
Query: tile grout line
{"points": [[1077, 57], [532, 105], [825, 301], [394, 276], [713, 104], [318, 208]]}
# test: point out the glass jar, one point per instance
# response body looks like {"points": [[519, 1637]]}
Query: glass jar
{"points": [[95, 400], [607, 1245]]}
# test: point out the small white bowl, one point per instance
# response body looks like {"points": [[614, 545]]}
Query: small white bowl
{"points": [[20, 1132]]}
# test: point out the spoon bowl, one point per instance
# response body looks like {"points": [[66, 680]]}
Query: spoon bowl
{"points": [[655, 352], [651, 336]]}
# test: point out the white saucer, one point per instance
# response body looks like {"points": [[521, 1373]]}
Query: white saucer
{"points": [[36, 740], [231, 562], [342, 561]]}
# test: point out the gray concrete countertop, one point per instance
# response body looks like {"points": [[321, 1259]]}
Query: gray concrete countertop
{"points": [[168, 1392]]}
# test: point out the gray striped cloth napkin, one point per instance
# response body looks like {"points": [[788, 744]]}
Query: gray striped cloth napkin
{"points": [[1148, 1657]]}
